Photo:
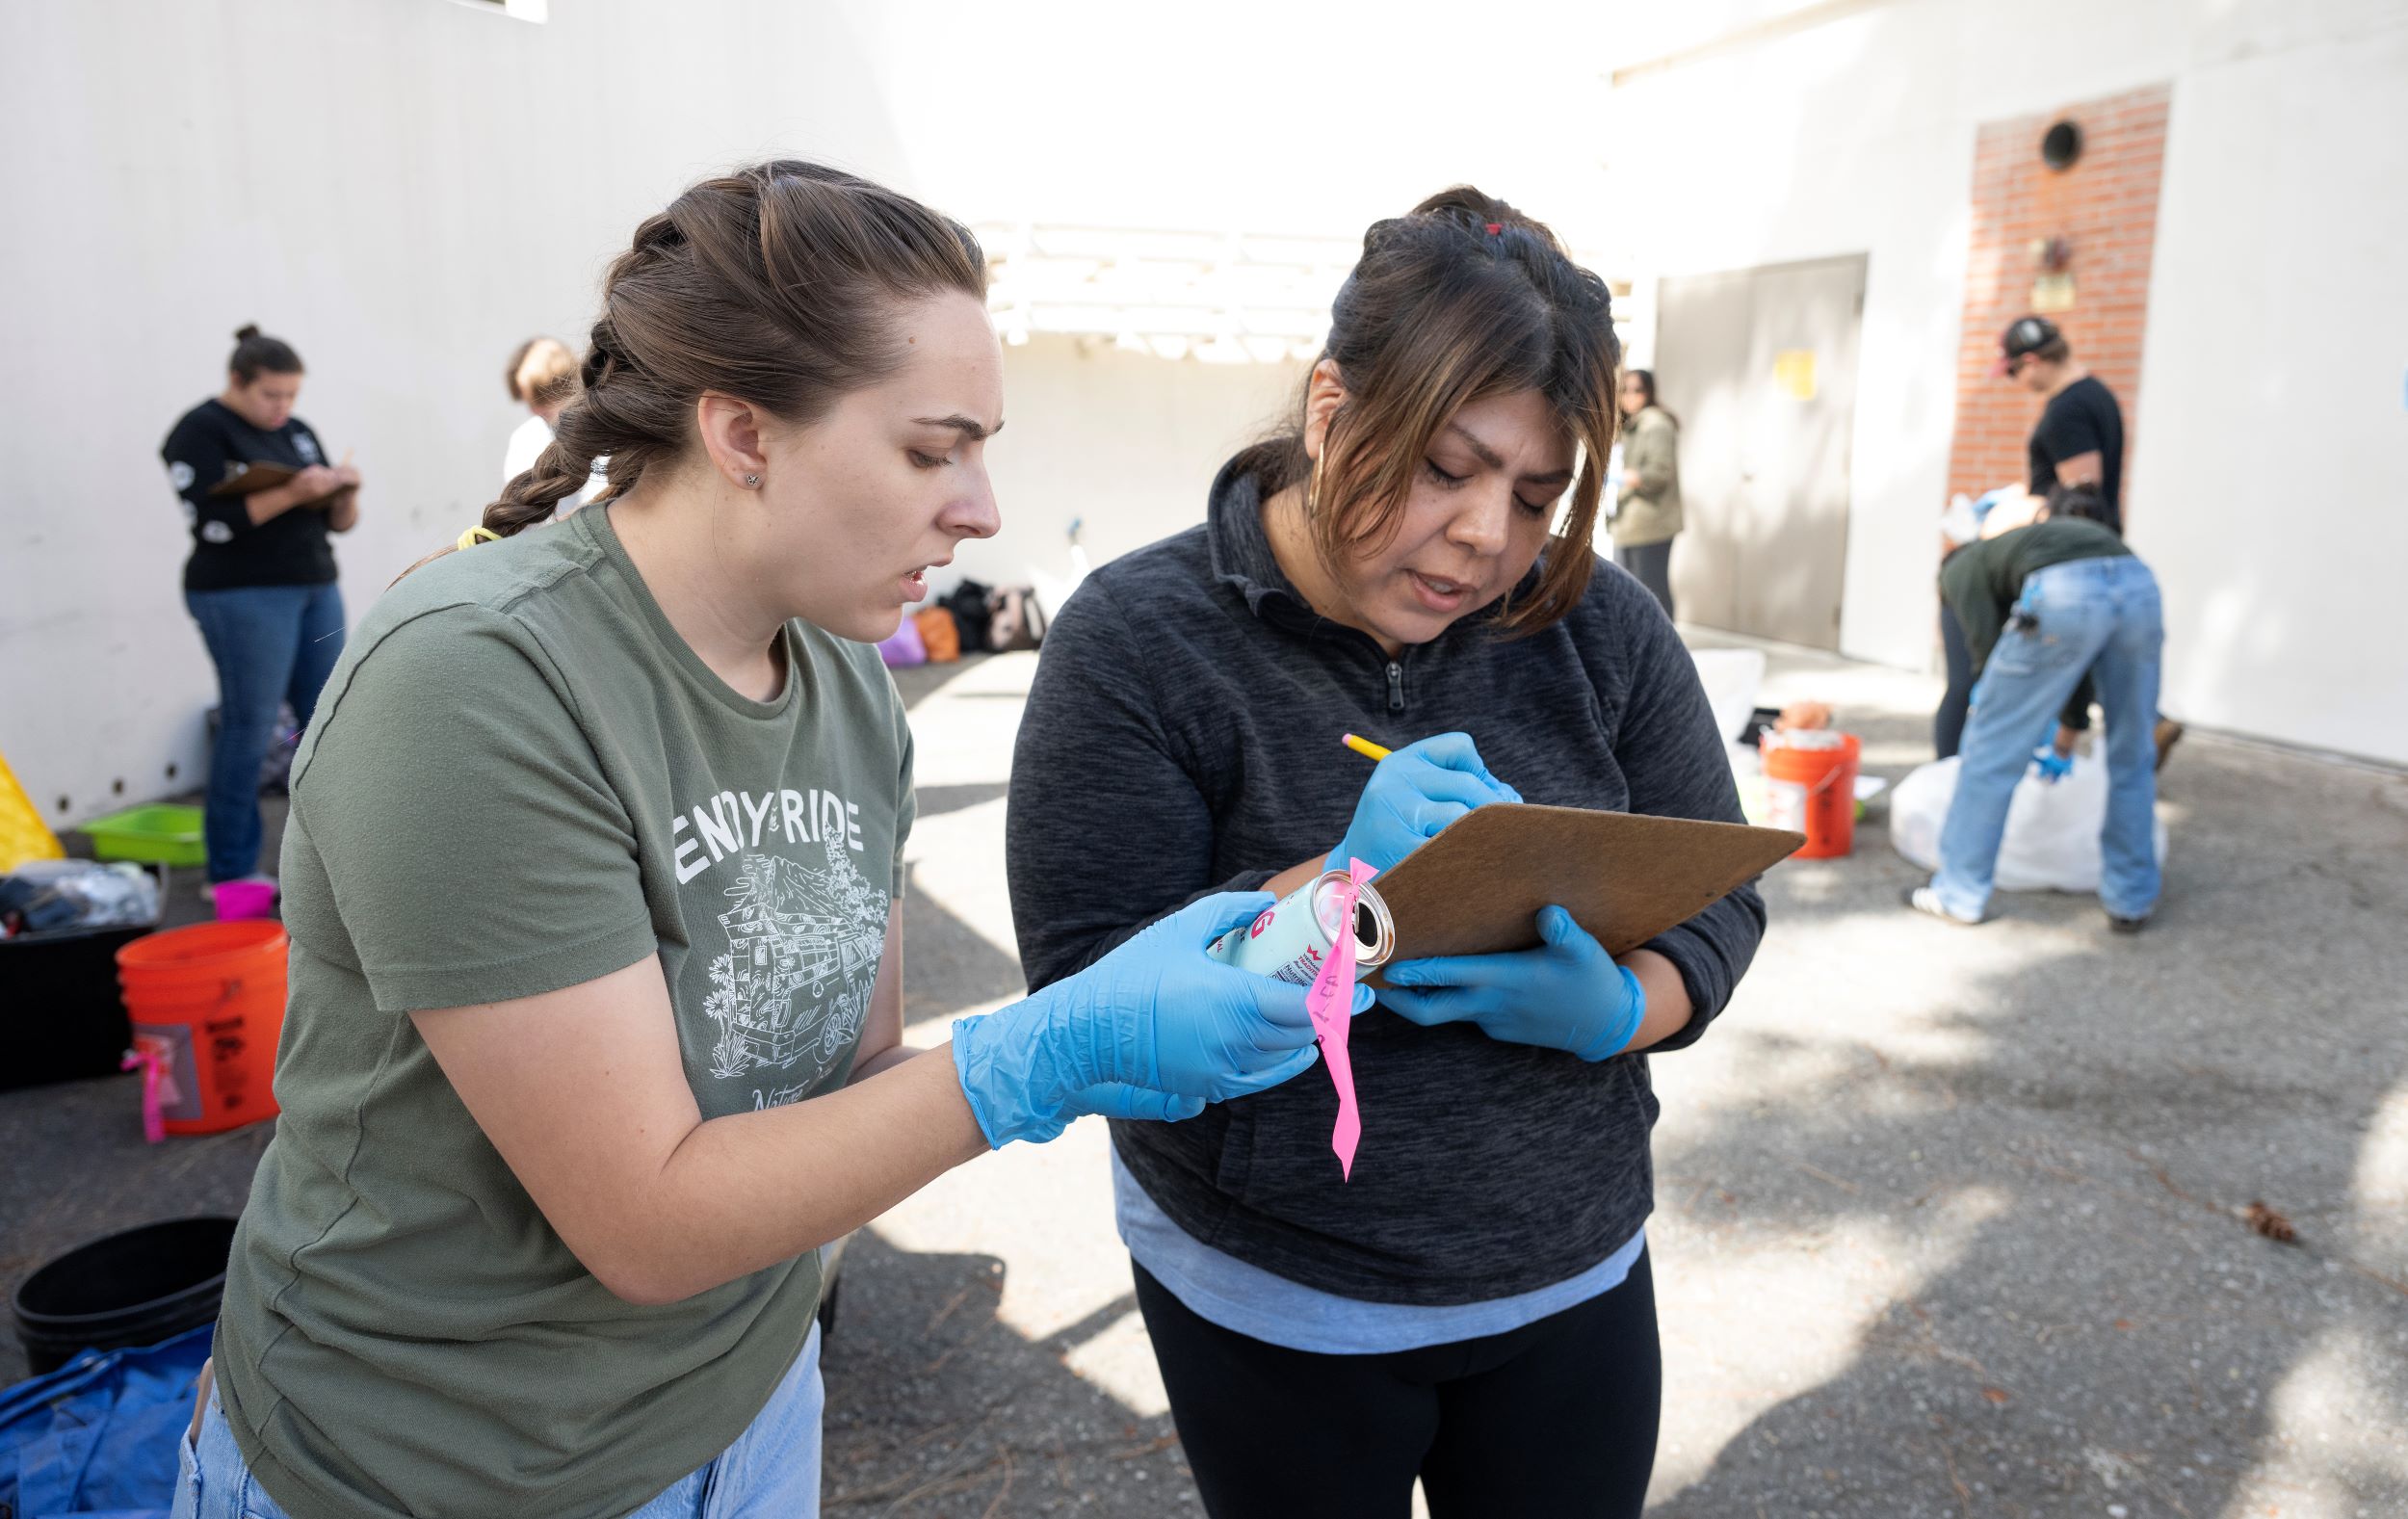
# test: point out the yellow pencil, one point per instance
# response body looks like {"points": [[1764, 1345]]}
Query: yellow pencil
{"points": [[1366, 748]]}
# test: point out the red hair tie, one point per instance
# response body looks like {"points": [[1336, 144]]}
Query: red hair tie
{"points": [[1496, 228]]}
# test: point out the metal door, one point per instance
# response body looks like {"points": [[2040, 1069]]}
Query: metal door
{"points": [[1759, 366]]}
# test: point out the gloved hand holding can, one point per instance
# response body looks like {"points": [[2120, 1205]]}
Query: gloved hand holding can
{"points": [[1154, 1030]]}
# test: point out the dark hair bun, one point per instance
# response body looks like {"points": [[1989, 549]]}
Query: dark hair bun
{"points": [[1475, 210], [256, 354]]}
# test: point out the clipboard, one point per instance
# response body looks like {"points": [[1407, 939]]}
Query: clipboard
{"points": [[1477, 888], [261, 475]]}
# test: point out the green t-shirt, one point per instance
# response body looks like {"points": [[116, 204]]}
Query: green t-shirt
{"points": [[521, 778]]}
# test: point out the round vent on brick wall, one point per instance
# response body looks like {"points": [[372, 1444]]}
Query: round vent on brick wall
{"points": [[2061, 146]]}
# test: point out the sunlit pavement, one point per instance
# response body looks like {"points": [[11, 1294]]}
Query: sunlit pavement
{"points": [[1949, 1220]]}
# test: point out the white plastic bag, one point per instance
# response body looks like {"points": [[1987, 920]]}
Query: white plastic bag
{"points": [[62, 895], [1731, 677], [2052, 839]]}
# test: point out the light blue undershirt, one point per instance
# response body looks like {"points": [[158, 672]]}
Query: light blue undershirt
{"points": [[1223, 1290]]}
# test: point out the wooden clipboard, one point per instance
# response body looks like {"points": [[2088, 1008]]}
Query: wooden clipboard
{"points": [[1477, 888], [262, 476]]}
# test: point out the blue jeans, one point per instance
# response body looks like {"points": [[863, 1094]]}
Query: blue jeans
{"points": [[2096, 615], [271, 644], [771, 1471]]}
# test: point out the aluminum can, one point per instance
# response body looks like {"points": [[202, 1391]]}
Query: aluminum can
{"points": [[1293, 937]]}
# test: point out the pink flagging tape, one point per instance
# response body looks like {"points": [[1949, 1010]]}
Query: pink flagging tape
{"points": [[154, 1123], [1331, 1002]]}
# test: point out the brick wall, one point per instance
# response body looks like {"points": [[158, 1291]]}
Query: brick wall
{"points": [[2106, 206]]}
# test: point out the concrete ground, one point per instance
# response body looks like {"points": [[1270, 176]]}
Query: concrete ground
{"points": [[1949, 1220]]}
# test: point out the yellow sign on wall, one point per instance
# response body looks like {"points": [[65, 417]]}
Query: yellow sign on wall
{"points": [[1793, 371]]}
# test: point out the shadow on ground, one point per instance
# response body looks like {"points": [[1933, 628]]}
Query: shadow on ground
{"points": [[919, 682], [948, 966], [935, 1409], [2019, 1157]]}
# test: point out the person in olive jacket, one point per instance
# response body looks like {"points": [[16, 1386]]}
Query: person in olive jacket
{"points": [[1648, 515]]}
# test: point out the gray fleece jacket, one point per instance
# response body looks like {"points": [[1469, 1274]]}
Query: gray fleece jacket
{"points": [[1182, 739]]}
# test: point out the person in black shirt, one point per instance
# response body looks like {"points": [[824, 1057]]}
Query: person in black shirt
{"points": [[2079, 437], [260, 581], [2077, 444]]}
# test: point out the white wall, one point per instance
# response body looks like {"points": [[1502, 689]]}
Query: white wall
{"points": [[1806, 149], [2272, 405], [367, 180], [1125, 443], [404, 188], [2274, 319]]}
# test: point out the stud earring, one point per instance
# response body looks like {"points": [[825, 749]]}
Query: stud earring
{"points": [[753, 482]]}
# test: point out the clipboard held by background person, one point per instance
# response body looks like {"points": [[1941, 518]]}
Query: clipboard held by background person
{"points": [[260, 476]]}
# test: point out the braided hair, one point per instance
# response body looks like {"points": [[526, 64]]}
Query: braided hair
{"points": [[1460, 299]]}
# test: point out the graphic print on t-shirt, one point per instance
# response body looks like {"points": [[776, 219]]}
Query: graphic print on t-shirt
{"points": [[803, 944]]}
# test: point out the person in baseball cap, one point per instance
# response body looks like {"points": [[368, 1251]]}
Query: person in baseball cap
{"points": [[2075, 454], [2079, 437], [2023, 336]]}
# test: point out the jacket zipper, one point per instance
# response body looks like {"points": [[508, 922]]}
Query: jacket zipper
{"points": [[1396, 686]]}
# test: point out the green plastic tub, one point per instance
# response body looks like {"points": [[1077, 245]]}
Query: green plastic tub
{"points": [[158, 834]]}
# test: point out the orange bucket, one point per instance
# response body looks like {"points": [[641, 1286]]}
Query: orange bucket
{"points": [[1813, 791], [207, 1006]]}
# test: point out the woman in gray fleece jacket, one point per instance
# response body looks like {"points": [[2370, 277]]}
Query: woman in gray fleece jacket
{"points": [[1473, 1306]]}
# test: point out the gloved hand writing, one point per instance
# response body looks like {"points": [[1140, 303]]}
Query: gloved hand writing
{"points": [[1413, 794], [1154, 1030], [1567, 994]]}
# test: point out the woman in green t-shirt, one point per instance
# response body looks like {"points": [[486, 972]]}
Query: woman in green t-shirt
{"points": [[595, 1022]]}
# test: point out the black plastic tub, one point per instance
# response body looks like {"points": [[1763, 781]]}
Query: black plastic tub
{"points": [[61, 1015], [130, 1289]]}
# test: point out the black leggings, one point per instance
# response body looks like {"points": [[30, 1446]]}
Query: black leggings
{"points": [[1652, 564], [1555, 1420]]}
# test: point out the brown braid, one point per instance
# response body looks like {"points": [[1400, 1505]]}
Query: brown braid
{"points": [[776, 283]]}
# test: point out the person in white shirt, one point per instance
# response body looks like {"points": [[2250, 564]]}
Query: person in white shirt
{"points": [[543, 376]]}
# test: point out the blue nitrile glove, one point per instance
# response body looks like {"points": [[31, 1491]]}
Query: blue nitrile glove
{"points": [[1413, 794], [1567, 994], [2051, 766], [1154, 1030]]}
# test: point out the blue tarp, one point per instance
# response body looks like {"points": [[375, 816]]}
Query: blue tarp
{"points": [[99, 1435]]}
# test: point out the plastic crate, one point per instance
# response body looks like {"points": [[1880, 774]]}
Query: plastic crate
{"points": [[161, 833]]}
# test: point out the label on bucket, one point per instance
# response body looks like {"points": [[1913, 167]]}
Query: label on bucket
{"points": [[171, 1045], [1785, 805]]}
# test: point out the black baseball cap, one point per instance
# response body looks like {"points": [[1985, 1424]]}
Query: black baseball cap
{"points": [[2022, 336]]}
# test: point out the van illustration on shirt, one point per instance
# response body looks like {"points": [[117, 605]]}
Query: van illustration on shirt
{"points": [[794, 934]]}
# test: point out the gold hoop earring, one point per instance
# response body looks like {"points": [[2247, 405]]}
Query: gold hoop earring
{"points": [[1313, 484]]}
